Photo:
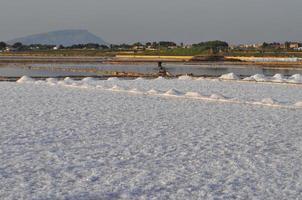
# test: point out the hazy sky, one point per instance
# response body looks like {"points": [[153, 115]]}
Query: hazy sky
{"points": [[118, 21]]}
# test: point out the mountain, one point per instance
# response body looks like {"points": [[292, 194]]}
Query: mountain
{"points": [[62, 37]]}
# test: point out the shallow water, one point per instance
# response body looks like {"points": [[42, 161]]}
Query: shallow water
{"points": [[55, 70]]}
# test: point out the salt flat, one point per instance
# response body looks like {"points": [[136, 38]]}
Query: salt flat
{"points": [[150, 139]]}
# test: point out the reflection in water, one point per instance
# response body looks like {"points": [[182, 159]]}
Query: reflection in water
{"points": [[57, 70]]}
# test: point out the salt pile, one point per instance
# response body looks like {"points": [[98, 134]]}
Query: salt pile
{"points": [[278, 76], [39, 82], [269, 101], [160, 78], [299, 104], [249, 79], [185, 77], [68, 80], [88, 80], [25, 79], [297, 78], [230, 76], [200, 79], [259, 77], [51, 80], [139, 79], [117, 88], [113, 79]]}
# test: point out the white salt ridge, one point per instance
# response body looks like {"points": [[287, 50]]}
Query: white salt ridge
{"points": [[230, 76], [185, 77], [87, 84], [171, 92], [278, 78], [25, 79]]}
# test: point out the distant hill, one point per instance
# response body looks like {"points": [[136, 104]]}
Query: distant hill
{"points": [[63, 37]]}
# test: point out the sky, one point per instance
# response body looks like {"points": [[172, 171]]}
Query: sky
{"points": [[128, 21]]}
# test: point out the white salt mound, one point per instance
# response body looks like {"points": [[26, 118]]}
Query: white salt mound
{"points": [[269, 101], [39, 82], [68, 80], [185, 77], [160, 78], [217, 96], [249, 79], [88, 79], [51, 80], [230, 76], [296, 77], [100, 87], [299, 104], [173, 92], [117, 88], [200, 79], [139, 79], [113, 79], [259, 77], [278, 77], [25, 79]]}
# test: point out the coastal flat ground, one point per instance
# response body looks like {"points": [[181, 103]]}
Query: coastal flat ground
{"points": [[150, 139]]}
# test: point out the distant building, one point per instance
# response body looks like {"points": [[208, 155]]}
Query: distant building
{"points": [[56, 47], [172, 47], [247, 46], [188, 46], [138, 47], [151, 48], [10, 49], [294, 45]]}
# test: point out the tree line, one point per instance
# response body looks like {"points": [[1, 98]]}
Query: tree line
{"points": [[138, 45]]}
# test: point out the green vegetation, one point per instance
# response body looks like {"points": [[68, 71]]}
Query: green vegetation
{"points": [[163, 48]]}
